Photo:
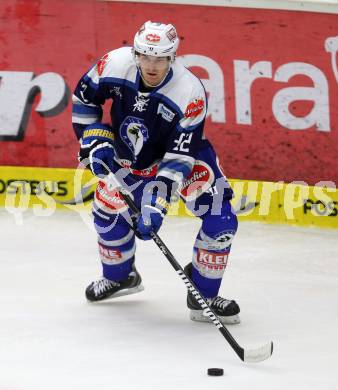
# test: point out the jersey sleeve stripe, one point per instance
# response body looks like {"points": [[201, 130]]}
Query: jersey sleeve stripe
{"points": [[173, 176], [85, 120], [179, 157], [176, 166], [85, 114], [187, 129], [82, 109], [88, 80]]}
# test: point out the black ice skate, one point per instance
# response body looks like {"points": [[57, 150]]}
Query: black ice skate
{"points": [[227, 310], [105, 288]]}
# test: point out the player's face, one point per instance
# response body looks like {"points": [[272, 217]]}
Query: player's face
{"points": [[153, 69]]}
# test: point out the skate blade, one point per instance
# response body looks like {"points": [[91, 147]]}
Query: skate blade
{"points": [[197, 315], [128, 291]]}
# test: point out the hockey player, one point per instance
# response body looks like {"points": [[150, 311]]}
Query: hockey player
{"points": [[155, 144]]}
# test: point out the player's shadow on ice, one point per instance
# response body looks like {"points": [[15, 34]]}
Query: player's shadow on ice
{"points": [[149, 313]]}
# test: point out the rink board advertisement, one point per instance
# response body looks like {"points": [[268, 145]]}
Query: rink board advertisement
{"points": [[271, 77], [45, 189]]}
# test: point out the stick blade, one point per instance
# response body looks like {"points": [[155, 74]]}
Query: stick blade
{"points": [[258, 354]]}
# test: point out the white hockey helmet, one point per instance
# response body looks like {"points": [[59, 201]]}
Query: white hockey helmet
{"points": [[156, 39]]}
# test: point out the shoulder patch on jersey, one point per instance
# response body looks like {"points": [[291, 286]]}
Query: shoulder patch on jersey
{"points": [[194, 108], [167, 114], [101, 64]]}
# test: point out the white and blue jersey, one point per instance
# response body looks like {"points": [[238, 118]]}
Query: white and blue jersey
{"points": [[164, 126]]}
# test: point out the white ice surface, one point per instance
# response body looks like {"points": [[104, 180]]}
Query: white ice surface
{"points": [[285, 280]]}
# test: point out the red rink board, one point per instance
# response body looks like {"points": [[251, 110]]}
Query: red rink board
{"points": [[67, 37]]}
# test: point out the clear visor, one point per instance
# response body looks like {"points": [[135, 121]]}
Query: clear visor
{"points": [[153, 61]]}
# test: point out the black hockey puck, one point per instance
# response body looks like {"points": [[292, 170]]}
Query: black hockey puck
{"points": [[215, 371]]}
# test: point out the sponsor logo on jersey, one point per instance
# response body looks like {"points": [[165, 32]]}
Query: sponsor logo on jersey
{"points": [[109, 255], [153, 38], [199, 181], [212, 258], [109, 200], [165, 112], [211, 264], [194, 108], [134, 134], [101, 64]]}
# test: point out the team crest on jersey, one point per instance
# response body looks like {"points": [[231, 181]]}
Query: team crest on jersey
{"points": [[194, 108], [101, 64], [134, 133], [199, 181]]}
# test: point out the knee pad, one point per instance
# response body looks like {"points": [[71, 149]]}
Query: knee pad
{"points": [[220, 228]]}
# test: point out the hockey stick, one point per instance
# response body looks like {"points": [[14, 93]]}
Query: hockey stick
{"points": [[247, 355]]}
